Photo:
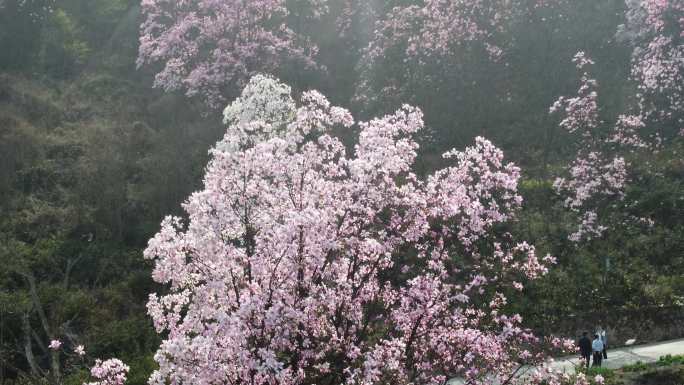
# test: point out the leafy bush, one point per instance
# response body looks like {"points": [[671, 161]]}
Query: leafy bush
{"points": [[636, 367], [663, 376], [605, 372], [670, 360]]}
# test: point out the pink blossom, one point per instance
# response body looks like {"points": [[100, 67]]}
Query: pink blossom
{"points": [[654, 28], [418, 35], [207, 47], [594, 179], [109, 372], [55, 344]]}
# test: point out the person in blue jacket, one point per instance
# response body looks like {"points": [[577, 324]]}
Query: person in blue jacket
{"points": [[597, 349]]}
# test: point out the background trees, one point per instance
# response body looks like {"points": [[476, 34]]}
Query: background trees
{"points": [[212, 48]]}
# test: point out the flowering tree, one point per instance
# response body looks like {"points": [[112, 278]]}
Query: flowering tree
{"points": [[300, 264], [599, 173], [435, 27], [656, 30], [426, 42], [109, 372], [212, 47], [595, 178]]}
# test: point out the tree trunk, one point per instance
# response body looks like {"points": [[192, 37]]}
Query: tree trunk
{"points": [[56, 370], [28, 350]]}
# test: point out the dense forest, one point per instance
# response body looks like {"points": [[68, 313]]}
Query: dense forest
{"points": [[109, 110]]}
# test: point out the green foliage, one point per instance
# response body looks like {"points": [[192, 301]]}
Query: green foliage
{"points": [[634, 267], [670, 360], [635, 367], [603, 371], [88, 167], [77, 377], [141, 367], [610, 376], [670, 375], [63, 51], [668, 370], [20, 31]]}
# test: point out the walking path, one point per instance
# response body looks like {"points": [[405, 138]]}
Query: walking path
{"points": [[620, 357], [617, 358]]}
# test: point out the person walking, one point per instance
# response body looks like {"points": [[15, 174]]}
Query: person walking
{"points": [[585, 348], [597, 348], [604, 338]]}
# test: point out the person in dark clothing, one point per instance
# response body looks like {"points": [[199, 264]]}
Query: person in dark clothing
{"points": [[585, 348]]}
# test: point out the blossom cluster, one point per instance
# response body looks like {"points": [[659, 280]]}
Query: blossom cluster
{"points": [[595, 176], [656, 30], [627, 132], [109, 372], [302, 264], [206, 47], [424, 42], [438, 27], [435, 27], [55, 344], [580, 113]]}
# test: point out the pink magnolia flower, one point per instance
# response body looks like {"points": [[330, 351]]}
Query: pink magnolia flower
{"points": [[109, 372], [55, 344]]}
